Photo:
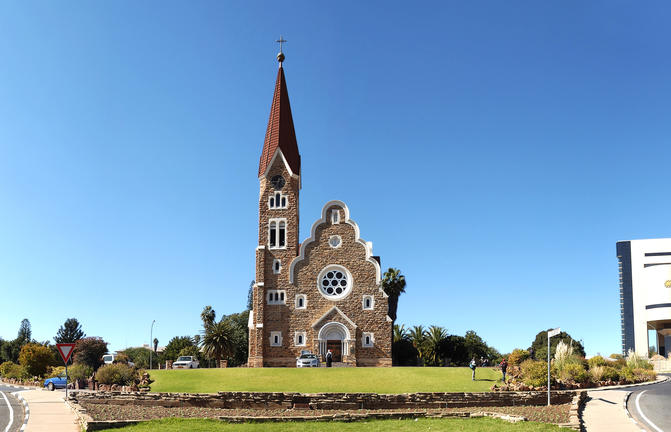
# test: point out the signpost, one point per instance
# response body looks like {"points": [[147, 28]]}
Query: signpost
{"points": [[66, 351], [553, 332]]}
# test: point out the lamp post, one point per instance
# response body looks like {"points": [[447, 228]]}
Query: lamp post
{"points": [[151, 340]]}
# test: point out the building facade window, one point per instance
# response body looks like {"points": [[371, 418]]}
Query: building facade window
{"points": [[276, 297], [277, 201], [299, 338], [335, 217], [275, 338], [368, 302], [335, 241], [277, 233], [367, 340], [335, 282], [277, 266], [301, 301]]}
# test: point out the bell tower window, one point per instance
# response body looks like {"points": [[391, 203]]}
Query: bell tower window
{"points": [[277, 233], [277, 200]]}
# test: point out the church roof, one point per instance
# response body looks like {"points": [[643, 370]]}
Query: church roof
{"points": [[280, 133]]}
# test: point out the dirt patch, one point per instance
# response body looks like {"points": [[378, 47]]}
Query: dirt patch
{"points": [[553, 414]]}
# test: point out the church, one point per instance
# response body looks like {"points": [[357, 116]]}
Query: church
{"points": [[324, 293]]}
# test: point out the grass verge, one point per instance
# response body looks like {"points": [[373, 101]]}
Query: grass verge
{"points": [[465, 425], [325, 380]]}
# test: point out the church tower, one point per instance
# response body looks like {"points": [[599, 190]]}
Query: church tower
{"points": [[279, 182]]}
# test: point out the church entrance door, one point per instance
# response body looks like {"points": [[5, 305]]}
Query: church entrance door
{"points": [[336, 349]]}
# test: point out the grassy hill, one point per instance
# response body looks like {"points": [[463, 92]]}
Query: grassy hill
{"points": [[319, 380]]}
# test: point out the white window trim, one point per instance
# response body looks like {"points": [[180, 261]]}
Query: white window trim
{"points": [[372, 340], [299, 333], [277, 269], [372, 302], [270, 294], [339, 241], [272, 338], [273, 195], [335, 216], [277, 221], [350, 282], [305, 301]]}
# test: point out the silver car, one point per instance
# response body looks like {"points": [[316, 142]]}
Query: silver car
{"points": [[307, 359]]}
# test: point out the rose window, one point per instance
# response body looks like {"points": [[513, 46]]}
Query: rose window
{"points": [[335, 282]]}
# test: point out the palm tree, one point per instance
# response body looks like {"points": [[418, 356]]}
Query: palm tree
{"points": [[400, 333], [418, 338], [217, 341], [393, 284], [207, 315], [434, 338]]}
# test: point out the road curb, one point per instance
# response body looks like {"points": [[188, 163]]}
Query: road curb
{"points": [[26, 410], [626, 410]]}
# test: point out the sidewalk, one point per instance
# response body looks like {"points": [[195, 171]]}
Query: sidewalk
{"points": [[48, 412], [604, 412]]}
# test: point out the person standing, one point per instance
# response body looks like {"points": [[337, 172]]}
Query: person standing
{"points": [[329, 358], [472, 365], [504, 368]]}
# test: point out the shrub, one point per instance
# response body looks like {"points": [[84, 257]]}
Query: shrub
{"points": [[534, 373], [17, 372], [643, 375], [596, 373], [573, 372], [5, 368], [597, 361], [635, 361], [116, 374], [121, 358], [79, 371], [55, 371], [610, 374], [517, 357], [35, 358]]}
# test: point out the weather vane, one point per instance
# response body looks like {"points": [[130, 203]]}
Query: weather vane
{"points": [[280, 55]]}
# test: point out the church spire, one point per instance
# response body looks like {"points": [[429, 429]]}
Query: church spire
{"points": [[280, 133]]}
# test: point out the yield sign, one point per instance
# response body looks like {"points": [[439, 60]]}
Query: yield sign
{"points": [[66, 350]]}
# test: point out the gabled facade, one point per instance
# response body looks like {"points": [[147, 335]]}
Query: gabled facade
{"points": [[324, 294]]}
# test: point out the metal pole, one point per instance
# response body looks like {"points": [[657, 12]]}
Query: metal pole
{"points": [[548, 368], [66, 380], [151, 341]]}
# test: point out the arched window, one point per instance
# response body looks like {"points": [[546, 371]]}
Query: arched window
{"points": [[282, 235], [301, 301], [273, 234], [277, 201], [277, 233]]}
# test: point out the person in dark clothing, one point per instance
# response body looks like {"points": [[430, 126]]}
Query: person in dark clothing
{"points": [[504, 368], [473, 365], [329, 358]]}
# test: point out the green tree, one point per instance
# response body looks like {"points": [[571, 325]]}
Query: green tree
{"points": [[434, 341], [139, 356], [417, 336], [190, 351], [403, 353], [454, 349], [70, 332], [25, 332], [207, 315], [540, 345], [217, 340], [176, 344], [90, 351], [239, 337], [400, 333], [393, 283], [250, 296], [475, 346], [35, 358]]}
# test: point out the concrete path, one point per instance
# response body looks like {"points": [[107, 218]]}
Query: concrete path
{"points": [[604, 412], [48, 412]]}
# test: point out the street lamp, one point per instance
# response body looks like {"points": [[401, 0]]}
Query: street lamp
{"points": [[151, 339]]}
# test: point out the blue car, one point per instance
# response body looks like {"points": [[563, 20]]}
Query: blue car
{"points": [[56, 382]]}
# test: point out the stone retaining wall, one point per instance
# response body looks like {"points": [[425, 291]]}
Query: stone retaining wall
{"points": [[326, 401]]}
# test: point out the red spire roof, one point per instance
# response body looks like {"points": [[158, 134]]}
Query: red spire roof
{"points": [[280, 133]]}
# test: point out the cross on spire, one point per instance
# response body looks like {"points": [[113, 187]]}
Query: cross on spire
{"points": [[280, 55], [280, 41]]}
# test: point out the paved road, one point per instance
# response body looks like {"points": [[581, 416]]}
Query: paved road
{"points": [[650, 405], [11, 409]]}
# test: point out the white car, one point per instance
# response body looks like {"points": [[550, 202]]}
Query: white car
{"points": [[109, 359], [307, 359], [186, 362]]}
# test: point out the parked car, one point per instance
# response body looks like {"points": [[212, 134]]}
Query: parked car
{"points": [[109, 359], [307, 359], [55, 382], [186, 362]]}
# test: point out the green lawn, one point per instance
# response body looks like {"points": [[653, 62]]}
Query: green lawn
{"points": [[324, 380], [467, 425]]}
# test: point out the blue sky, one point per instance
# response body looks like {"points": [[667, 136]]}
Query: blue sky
{"points": [[493, 151]]}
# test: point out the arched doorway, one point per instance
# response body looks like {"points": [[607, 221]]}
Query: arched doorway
{"points": [[334, 336]]}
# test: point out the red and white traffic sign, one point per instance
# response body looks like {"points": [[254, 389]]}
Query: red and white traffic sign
{"points": [[66, 350]]}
